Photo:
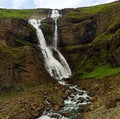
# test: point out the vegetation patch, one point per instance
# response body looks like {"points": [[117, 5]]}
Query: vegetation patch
{"points": [[92, 10], [23, 13], [30, 101], [12, 13], [20, 42], [85, 12], [102, 71], [13, 55]]}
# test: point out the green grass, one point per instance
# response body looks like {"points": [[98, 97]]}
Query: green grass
{"points": [[103, 37], [8, 13], [84, 12], [22, 42], [93, 9], [13, 55], [101, 71], [74, 56], [1, 117]]}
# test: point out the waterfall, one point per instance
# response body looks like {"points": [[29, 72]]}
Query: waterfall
{"points": [[59, 69]]}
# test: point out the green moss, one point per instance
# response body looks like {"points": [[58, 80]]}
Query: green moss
{"points": [[13, 55], [103, 37], [71, 47], [22, 13], [93, 9], [101, 72], [25, 14], [73, 56], [1, 117], [77, 15], [22, 42], [54, 96], [85, 65], [86, 11], [95, 58]]}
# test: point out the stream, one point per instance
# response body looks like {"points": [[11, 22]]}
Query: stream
{"points": [[73, 105]]}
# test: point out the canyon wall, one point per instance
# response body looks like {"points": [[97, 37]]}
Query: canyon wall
{"points": [[21, 62]]}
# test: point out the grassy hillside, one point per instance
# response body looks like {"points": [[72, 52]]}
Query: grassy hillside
{"points": [[24, 14], [111, 22], [87, 11]]}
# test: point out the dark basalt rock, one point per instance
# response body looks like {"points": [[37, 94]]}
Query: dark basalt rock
{"points": [[47, 27], [16, 32]]}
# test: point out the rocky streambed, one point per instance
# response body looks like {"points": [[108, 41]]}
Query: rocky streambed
{"points": [[73, 105], [105, 99], [28, 103]]}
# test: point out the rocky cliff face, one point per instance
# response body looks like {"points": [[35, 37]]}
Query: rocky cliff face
{"points": [[20, 61], [16, 32], [87, 24]]}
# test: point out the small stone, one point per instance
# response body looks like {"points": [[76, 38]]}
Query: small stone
{"points": [[23, 116], [23, 110], [57, 107], [64, 113], [64, 96], [61, 103]]}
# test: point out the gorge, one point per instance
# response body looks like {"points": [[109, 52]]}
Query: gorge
{"points": [[88, 39]]}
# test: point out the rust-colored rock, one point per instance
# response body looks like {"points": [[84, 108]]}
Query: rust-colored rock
{"points": [[57, 107], [64, 113]]}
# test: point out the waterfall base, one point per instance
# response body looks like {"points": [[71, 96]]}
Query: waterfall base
{"points": [[73, 105]]}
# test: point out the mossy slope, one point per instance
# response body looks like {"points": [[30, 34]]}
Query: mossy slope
{"points": [[93, 40]]}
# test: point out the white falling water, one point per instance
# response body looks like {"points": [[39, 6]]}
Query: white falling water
{"points": [[55, 14], [57, 69]]}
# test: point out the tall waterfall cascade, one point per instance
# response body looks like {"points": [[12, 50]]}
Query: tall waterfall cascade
{"points": [[59, 69]]}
